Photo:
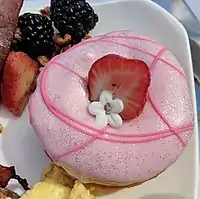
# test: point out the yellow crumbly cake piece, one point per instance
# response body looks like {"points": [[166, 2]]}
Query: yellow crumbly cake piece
{"points": [[47, 190], [56, 184], [59, 175], [79, 191]]}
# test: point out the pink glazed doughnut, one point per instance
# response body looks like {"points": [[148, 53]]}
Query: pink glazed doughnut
{"points": [[137, 151]]}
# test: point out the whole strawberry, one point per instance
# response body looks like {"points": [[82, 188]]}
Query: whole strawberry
{"points": [[18, 80]]}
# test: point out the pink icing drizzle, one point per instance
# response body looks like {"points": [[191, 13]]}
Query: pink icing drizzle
{"points": [[147, 53], [145, 138], [153, 102]]}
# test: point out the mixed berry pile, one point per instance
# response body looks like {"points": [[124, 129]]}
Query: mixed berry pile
{"points": [[75, 18], [36, 41]]}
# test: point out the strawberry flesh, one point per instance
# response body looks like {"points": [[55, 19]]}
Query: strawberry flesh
{"points": [[19, 76], [127, 79]]}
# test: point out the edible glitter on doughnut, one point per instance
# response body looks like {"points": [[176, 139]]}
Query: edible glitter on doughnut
{"points": [[141, 148]]}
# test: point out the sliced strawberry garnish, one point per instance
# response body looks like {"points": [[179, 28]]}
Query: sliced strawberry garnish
{"points": [[127, 79], [18, 80]]}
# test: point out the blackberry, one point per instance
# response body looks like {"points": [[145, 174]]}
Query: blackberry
{"points": [[36, 35], [73, 17]]}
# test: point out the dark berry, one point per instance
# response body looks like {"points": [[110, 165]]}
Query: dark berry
{"points": [[74, 17], [37, 35]]}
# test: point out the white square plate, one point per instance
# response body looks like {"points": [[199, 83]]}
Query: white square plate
{"points": [[19, 145]]}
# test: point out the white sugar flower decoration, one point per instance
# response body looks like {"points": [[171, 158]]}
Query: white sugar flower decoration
{"points": [[106, 110]]}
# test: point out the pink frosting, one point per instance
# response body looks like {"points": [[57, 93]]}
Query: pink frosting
{"points": [[141, 148]]}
